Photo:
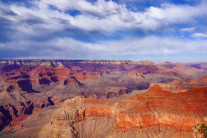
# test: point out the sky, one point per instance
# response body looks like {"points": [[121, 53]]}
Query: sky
{"points": [[157, 30]]}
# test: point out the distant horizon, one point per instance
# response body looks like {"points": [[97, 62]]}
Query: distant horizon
{"points": [[94, 60]]}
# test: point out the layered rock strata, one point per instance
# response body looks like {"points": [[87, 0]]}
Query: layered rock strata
{"points": [[155, 113]]}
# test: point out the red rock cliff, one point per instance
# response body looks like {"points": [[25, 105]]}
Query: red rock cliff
{"points": [[153, 113]]}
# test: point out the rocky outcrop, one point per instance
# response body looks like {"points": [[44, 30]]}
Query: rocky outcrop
{"points": [[187, 84], [145, 69], [200, 130], [146, 62], [10, 112], [202, 80], [153, 113]]}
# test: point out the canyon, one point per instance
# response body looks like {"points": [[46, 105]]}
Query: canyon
{"points": [[101, 98]]}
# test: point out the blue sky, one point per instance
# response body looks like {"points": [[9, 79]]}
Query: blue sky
{"points": [[158, 30]]}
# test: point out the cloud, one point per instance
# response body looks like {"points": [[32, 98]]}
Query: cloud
{"points": [[200, 35], [73, 49], [98, 8], [100, 16], [187, 29], [46, 27]]}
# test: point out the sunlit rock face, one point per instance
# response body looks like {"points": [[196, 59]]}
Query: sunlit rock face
{"points": [[31, 90], [153, 113], [200, 129]]}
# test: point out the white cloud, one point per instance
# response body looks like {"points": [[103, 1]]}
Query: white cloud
{"points": [[40, 20], [187, 29], [100, 16], [200, 35], [70, 48], [100, 7]]}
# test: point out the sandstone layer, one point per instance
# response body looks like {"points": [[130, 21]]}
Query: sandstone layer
{"points": [[155, 113]]}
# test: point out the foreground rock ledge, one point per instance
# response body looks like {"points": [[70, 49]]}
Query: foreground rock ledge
{"points": [[155, 113]]}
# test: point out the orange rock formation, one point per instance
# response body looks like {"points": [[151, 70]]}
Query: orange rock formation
{"points": [[153, 113]]}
